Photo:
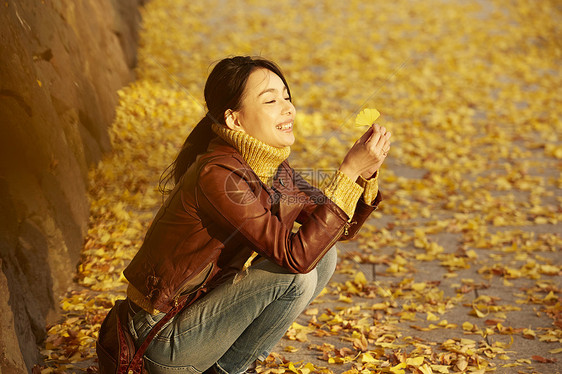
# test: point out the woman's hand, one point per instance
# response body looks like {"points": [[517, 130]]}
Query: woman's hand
{"points": [[367, 154]]}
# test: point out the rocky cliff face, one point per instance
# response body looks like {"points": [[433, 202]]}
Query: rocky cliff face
{"points": [[61, 63]]}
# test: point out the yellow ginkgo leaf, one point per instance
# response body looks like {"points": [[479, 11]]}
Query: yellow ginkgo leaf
{"points": [[366, 358], [367, 117], [414, 361], [360, 278], [398, 369], [432, 317]]}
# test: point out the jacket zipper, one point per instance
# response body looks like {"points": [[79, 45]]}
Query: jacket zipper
{"points": [[347, 226], [344, 230], [179, 293]]}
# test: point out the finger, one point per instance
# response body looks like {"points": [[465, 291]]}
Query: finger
{"points": [[381, 142], [384, 132], [365, 137], [384, 144], [375, 138], [387, 139], [386, 147], [377, 128]]}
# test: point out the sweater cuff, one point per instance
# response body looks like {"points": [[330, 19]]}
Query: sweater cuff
{"points": [[343, 192], [371, 187]]}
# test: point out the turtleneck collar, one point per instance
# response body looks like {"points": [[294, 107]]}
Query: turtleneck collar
{"points": [[262, 158]]}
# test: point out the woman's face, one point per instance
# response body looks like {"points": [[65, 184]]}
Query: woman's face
{"points": [[266, 112]]}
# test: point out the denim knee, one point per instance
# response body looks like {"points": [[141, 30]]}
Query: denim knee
{"points": [[327, 265], [304, 285]]}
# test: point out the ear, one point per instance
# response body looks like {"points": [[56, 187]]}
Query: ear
{"points": [[232, 120]]}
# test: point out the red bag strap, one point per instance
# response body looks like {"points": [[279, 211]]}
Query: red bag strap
{"points": [[136, 363]]}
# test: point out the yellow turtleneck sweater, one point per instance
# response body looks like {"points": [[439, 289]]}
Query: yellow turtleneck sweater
{"points": [[262, 158]]}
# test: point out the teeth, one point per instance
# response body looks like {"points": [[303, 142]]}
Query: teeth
{"points": [[285, 127]]}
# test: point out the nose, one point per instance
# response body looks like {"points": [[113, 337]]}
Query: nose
{"points": [[289, 108]]}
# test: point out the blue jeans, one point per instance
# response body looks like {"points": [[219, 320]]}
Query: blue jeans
{"points": [[234, 324]]}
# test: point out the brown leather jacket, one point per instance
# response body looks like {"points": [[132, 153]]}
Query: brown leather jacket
{"points": [[220, 212]]}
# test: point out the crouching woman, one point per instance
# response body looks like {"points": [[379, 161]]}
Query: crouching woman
{"points": [[224, 237]]}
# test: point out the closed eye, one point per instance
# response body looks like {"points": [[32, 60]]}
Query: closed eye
{"points": [[273, 101]]}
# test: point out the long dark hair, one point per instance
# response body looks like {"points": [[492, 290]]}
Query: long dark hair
{"points": [[224, 90]]}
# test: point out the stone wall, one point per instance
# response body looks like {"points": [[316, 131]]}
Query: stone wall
{"points": [[61, 63]]}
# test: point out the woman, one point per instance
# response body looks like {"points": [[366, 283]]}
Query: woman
{"points": [[224, 235]]}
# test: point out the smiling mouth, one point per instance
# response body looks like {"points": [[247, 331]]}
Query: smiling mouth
{"points": [[285, 126]]}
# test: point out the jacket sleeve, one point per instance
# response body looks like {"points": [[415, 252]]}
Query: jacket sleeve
{"points": [[360, 214], [228, 195]]}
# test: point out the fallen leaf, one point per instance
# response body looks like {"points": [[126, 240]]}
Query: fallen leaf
{"points": [[367, 117]]}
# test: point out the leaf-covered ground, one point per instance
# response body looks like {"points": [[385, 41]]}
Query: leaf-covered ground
{"points": [[460, 269]]}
